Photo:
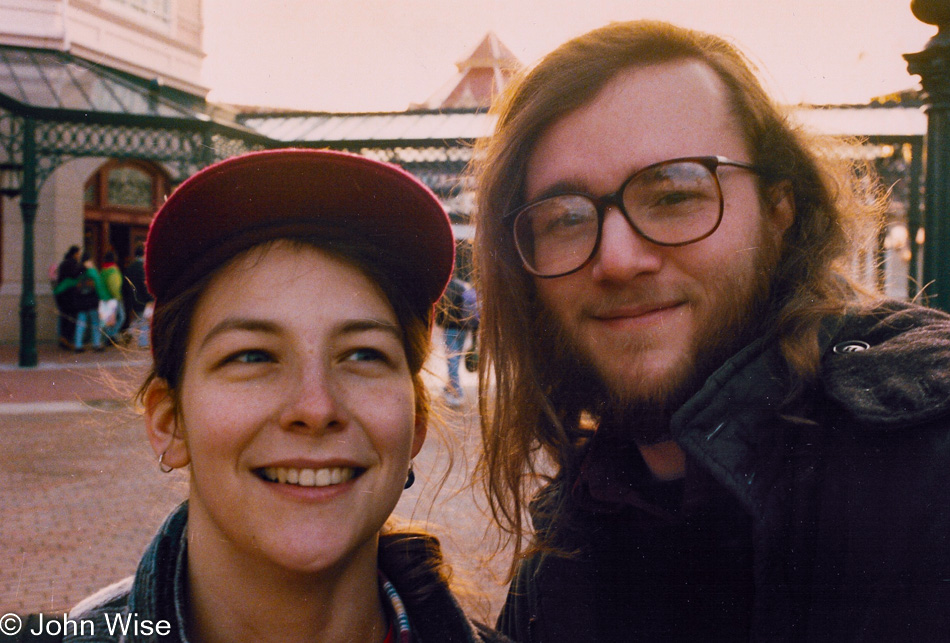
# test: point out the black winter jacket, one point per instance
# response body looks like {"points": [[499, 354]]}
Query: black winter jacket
{"points": [[848, 497]]}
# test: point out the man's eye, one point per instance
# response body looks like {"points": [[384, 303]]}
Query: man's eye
{"points": [[569, 220], [673, 199], [556, 221]]}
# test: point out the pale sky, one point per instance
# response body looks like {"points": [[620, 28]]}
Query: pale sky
{"points": [[381, 55]]}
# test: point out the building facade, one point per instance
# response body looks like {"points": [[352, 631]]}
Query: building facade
{"points": [[102, 113]]}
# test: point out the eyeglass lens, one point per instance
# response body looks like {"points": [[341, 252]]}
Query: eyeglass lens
{"points": [[669, 204]]}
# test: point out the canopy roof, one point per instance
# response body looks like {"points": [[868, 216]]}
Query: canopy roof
{"points": [[56, 85], [451, 125], [42, 80], [871, 121], [55, 106]]}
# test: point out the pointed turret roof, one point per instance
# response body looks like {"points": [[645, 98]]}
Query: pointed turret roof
{"points": [[483, 74]]}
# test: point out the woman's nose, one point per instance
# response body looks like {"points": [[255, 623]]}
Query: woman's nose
{"points": [[313, 403]]}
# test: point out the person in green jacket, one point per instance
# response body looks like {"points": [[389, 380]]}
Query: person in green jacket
{"points": [[89, 292], [112, 280]]}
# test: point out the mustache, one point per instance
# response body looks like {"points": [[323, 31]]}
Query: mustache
{"points": [[639, 299]]}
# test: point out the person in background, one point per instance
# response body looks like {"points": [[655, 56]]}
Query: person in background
{"points": [[64, 294], [451, 318], [140, 297], [470, 316], [112, 280], [293, 303], [734, 437], [90, 290]]}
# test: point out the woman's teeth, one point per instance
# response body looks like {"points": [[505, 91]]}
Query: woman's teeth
{"points": [[308, 477]]}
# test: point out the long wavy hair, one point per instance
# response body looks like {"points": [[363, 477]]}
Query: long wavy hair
{"points": [[531, 425]]}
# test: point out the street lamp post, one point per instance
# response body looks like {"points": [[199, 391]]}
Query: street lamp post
{"points": [[19, 179], [933, 66]]}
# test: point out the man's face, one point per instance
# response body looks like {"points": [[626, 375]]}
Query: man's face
{"points": [[652, 322]]}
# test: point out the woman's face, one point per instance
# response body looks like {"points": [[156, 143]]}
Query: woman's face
{"points": [[296, 410]]}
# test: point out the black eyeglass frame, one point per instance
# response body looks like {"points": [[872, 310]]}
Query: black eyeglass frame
{"points": [[711, 163]]}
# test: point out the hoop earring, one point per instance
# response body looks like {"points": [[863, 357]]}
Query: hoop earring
{"points": [[164, 468], [410, 478]]}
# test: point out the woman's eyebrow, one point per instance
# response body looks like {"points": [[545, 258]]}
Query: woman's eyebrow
{"points": [[348, 327], [368, 324], [239, 323]]}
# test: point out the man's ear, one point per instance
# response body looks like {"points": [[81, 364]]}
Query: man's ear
{"points": [[419, 435], [780, 208], [163, 425]]}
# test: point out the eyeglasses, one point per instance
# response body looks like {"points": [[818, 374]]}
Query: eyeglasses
{"points": [[671, 203]]}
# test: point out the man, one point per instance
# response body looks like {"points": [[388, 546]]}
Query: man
{"points": [[741, 443]]}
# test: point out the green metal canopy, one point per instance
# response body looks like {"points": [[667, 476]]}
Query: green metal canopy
{"points": [[55, 107], [435, 145]]}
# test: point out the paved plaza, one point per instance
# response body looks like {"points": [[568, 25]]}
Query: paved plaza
{"points": [[82, 495]]}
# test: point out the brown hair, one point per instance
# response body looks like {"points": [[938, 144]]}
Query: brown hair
{"points": [[526, 428]]}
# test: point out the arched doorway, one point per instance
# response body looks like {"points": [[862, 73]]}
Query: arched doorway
{"points": [[119, 202]]}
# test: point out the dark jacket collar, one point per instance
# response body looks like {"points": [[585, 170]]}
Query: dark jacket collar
{"points": [[891, 367], [152, 597], [887, 367], [409, 561]]}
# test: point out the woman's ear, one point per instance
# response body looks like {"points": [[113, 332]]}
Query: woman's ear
{"points": [[163, 425], [419, 434]]}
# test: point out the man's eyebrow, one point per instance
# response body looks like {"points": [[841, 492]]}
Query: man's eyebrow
{"points": [[561, 187]]}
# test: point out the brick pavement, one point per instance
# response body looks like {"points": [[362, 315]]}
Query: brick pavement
{"points": [[72, 453], [81, 494]]}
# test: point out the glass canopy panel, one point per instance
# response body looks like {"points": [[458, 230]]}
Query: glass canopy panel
{"points": [[20, 78], [386, 126], [50, 79]]}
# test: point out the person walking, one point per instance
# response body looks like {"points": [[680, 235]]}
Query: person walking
{"points": [[451, 318]]}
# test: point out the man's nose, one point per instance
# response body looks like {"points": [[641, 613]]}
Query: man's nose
{"points": [[623, 253]]}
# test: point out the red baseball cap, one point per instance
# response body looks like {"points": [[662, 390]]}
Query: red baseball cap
{"points": [[245, 200]]}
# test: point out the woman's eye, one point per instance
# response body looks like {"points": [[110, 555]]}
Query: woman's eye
{"points": [[366, 355], [251, 357]]}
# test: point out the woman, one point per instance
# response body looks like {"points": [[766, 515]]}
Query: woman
{"points": [[293, 304]]}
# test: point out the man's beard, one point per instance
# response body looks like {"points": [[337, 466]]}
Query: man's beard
{"points": [[643, 413]]}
